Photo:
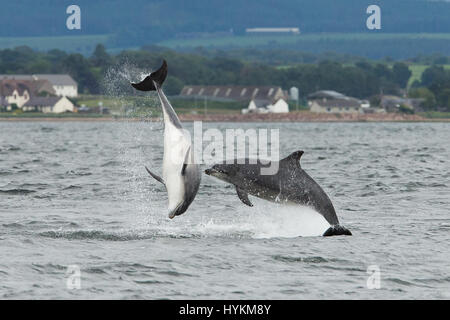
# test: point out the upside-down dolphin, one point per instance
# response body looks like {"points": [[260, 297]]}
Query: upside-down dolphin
{"points": [[290, 184], [181, 176]]}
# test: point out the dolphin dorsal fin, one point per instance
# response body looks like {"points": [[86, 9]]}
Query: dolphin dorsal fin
{"points": [[294, 157]]}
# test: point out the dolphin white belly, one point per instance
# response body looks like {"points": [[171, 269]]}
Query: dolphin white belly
{"points": [[176, 144], [181, 176]]}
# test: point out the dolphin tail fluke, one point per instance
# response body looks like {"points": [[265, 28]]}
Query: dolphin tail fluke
{"points": [[337, 230], [157, 77]]}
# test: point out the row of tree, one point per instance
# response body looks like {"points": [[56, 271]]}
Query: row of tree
{"points": [[434, 88], [361, 79]]}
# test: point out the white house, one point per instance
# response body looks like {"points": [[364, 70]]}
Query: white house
{"points": [[49, 105], [18, 97], [63, 84], [19, 91], [280, 106]]}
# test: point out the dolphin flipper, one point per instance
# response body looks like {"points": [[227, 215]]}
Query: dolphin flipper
{"points": [[243, 196], [157, 178], [186, 161]]}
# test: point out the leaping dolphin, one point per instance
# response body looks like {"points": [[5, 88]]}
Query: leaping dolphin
{"points": [[291, 184], [181, 176]]}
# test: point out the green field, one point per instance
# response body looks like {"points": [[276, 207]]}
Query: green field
{"points": [[250, 41], [37, 115], [372, 45], [418, 69], [82, 44], [435, 115]]}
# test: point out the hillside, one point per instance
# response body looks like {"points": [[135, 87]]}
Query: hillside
{"points": [[144, 22]]}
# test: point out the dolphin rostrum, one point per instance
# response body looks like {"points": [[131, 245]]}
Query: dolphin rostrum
{"points": [[181, 176], [290, 184]]}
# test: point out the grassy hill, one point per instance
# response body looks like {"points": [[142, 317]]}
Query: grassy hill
{"points": [[371, 45], [409, 27]]}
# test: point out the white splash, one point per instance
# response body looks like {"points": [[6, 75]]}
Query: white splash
{"points": [[288, 221], [260, 222]]}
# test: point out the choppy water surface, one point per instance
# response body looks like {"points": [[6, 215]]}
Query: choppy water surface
{"points": [[76, 193]]}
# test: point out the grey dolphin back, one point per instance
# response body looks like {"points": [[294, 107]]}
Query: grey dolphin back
{"points": [[290, 184], [293, 158], [316, 195], [168, 108], [191, 173], [186, 161], [295, 185], [192, 180]]}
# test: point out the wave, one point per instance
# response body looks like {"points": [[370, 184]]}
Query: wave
{"points": [[286, 222], [299, 259], [49, 129], [16, 192], [96, 235], [9, 148], [72, 187]]}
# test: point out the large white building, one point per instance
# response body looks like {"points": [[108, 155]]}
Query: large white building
{"points": [[294, 31], [233, 93], [261, 99], [63, 84], [328, 101], [266, 106]]}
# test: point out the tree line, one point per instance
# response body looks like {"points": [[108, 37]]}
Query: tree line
{"points": [[361, 79], [434, 88]]}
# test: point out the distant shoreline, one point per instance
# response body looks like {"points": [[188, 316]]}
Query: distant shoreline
{"points": [[272, 117]]}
